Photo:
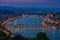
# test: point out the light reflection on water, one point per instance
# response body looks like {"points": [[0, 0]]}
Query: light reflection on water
{"points": [[29, 27]]}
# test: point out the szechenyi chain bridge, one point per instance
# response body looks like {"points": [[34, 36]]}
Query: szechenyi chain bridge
{"points": [[30, 25]]}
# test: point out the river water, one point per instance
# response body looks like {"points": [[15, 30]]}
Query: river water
{"points": [[29, 26]]}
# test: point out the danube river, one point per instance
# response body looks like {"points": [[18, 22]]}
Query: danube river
{"points": [[29, 26]]}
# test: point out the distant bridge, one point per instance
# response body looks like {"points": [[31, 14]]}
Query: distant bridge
{"points": [[9, 19], [3, 24]]}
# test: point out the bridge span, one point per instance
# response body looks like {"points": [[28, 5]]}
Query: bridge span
{"points": [[9, 19]]}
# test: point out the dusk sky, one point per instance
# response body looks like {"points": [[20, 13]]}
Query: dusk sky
{"points": [[30, 3]]}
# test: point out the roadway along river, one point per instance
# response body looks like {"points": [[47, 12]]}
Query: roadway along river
{"points": [[29, 26]]}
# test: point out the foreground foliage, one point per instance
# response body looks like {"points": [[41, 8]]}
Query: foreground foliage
{"points": [[39, 36]]}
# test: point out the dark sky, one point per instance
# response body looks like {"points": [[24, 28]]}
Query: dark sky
{"points": [[30, 3]]}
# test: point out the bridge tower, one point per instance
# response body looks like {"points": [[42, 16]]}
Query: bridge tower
{"points": [[15, 24]]}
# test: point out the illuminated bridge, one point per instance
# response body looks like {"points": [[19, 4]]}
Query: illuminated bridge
{"points": [[29, 26]]}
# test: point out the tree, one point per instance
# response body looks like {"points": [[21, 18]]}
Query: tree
{"points": [[41, 36]]}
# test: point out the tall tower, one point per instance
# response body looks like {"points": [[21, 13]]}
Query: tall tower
{"points": [[15, 24], [43, 26]]}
